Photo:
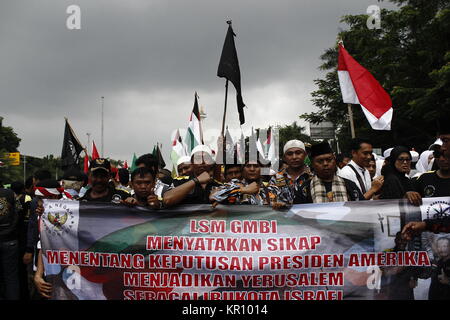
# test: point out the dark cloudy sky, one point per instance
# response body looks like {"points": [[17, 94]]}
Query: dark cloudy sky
{"points": [[148, 57]]}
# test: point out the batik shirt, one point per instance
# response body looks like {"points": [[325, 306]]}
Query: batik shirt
{"points": [[230, 193], [291, 191]]}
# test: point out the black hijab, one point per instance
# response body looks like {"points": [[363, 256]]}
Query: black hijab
{"points": [[396, 183]]}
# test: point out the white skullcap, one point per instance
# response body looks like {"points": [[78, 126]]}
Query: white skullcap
{"points": [[202, 148], [387, 153], [438, 142], [414, 156], [293, 144], [183, 160]]}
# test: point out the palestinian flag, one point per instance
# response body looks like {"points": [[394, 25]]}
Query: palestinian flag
{"points": [[158, 155], [178, 149], [194, 135], [133, 163]]}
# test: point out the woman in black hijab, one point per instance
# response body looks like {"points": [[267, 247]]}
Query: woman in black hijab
{"points": [[396, 183]]}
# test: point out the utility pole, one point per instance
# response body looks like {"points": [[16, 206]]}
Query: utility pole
{"points": [[102, 125], [89, 141], [24, 169]]}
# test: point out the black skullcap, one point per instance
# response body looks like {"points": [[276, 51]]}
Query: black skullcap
{"points": [[320, 148]]}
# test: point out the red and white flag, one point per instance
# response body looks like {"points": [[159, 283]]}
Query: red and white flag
{"points": [[358, 86], [95, 154], [86, 163]]}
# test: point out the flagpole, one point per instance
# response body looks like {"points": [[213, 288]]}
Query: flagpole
{"points": [[225, 108], [350, 115]]}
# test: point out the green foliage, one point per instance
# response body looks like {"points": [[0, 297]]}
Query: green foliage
{"points": [[410, 57], [291, 132], [9, 141], [9, 174]]}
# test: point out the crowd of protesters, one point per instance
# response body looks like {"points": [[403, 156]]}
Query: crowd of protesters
{"points": [[359, 175]]}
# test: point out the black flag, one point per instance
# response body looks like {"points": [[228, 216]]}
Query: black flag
{"points": [[229, 69], [71, 148], [158, 155]]}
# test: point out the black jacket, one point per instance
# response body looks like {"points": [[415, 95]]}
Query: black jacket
{"points": [[8, 216]]}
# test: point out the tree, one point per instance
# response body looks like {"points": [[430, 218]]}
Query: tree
{"points": [[410, 57], [9, 142], [291, 132]]}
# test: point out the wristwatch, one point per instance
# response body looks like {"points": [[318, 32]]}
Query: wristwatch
{"points": [[196, 181]]}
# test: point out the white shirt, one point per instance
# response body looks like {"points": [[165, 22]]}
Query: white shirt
{"points": [[348, 173]]}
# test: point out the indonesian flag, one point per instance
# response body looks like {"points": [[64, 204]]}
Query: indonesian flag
{"points": [[94, 151], [194, 131], [46, 192], [358, 86], [125, 165]]}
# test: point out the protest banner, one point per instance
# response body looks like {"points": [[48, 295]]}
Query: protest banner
{"points": [[333, 251]]}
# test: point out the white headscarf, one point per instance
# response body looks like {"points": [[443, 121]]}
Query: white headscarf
{"points": [[379, 163], [424, 165], [414, 156], [387, 153]]}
